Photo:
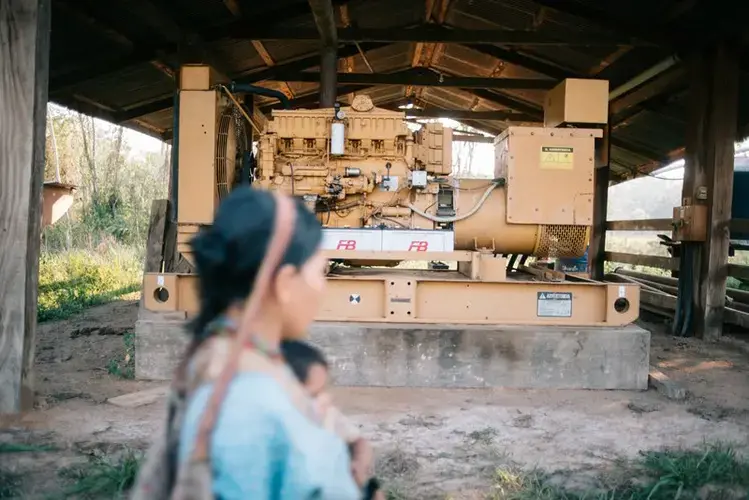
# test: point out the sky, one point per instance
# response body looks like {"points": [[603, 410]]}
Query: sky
{"points": [[141, 143]]}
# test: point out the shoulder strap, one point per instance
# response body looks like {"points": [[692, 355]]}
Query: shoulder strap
{"points": [[283, 228]]}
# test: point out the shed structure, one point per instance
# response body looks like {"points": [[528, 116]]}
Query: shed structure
{"points": [[678, 73]]}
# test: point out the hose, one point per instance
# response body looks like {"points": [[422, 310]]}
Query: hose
{"points": [[684, 314], [456, 218], [254, 89], [686, 329]]}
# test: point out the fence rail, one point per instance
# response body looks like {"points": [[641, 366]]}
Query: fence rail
{"points": [[658, 294], [738, 226]]}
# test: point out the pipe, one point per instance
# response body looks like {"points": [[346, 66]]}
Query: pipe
{"points": [[456, 218], [254, 89], [643, 77], [174, 180], [328, 76]]}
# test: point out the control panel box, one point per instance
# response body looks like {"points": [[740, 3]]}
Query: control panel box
{"points": [[549, 174], [577, 100], [690, 223]]}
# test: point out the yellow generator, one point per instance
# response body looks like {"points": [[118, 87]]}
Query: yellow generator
{"points": [[408, 242]]}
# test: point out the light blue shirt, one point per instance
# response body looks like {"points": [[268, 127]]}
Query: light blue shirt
{"points": [[264, 448]]}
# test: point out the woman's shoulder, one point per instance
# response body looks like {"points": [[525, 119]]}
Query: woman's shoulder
{"points": [[249, 392]]}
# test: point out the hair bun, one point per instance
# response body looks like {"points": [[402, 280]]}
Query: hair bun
{"points": [[209, 249]]}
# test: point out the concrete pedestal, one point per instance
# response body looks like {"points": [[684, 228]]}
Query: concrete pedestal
{"points": [[528, 357]]}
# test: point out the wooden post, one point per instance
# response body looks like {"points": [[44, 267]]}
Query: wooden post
{"points": [[328, 76], [24, 76], [708, 179], [597, 249]]}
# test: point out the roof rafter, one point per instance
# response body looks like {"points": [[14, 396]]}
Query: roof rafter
{"points": [[423, 78], [433, 33], [268, 74]]}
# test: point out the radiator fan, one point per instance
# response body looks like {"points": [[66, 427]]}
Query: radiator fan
{"points": [[234, 162]]}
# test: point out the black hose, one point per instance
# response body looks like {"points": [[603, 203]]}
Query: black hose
{"points": [[684, 314], [254, 89], [686, 329], [680, 297]]}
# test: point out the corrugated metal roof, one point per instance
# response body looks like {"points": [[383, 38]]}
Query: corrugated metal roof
{"points": [[88, 34]]}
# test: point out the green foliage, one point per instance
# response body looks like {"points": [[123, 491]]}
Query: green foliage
{"points": [[10, 484], [102, 477], [24, 448], [657, 475], [123, 365], [71, 281]]}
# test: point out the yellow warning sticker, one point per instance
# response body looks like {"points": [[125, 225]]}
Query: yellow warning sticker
{"points": [[556, 158]]}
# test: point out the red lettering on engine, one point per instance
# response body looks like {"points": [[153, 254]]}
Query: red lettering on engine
{"points": [[346, 245], [418, 246]]}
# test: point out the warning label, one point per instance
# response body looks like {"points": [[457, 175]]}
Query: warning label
{"points": [[556, 158], [554, 305]]}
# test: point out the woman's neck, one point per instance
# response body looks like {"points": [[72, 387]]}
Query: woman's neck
{"points": [[266, 328]]}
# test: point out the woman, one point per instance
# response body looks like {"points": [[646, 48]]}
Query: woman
{"points": [[263, 442]]}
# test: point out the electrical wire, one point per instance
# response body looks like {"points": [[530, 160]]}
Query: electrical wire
{"points": [[457, 218]]}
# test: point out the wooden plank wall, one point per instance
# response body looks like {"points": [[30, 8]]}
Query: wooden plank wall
{"points": [[24, 74]]}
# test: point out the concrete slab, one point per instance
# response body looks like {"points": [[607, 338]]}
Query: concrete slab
{"points": [[467, 356], [531, 357], [160, 343]]}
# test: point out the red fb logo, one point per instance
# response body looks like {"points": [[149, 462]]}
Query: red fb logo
{"points": [[418, 246], [346, 245]]}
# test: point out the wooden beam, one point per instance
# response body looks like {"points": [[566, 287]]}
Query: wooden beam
{"points": [[482, 139], [77, 10], [668, 263], [422, 78], [326, 32], [597, 249], [268, 60], [508, 101], [311, 99], [305, 62], [640, 225], [322, 11], [620, 26], [419, 47], [432, 33], [711, 133], [145, 53], [609, 60], [233, 7], [459, 114], [302, 63], [532, 63], [24, 73]]}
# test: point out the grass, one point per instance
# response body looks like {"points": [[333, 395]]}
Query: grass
{"points": [[715, 472], [102, 477], [123, 365], [71, 281], [10, 484], [24, 448]]}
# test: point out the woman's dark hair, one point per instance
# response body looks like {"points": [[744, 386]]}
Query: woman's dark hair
{"points": [[301, 356], [228, 253]]}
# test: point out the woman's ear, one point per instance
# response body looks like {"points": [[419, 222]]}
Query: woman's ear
{"points": [[284, 283]]}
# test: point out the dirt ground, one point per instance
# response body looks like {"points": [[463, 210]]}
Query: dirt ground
{"points": [[435, 441]]}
